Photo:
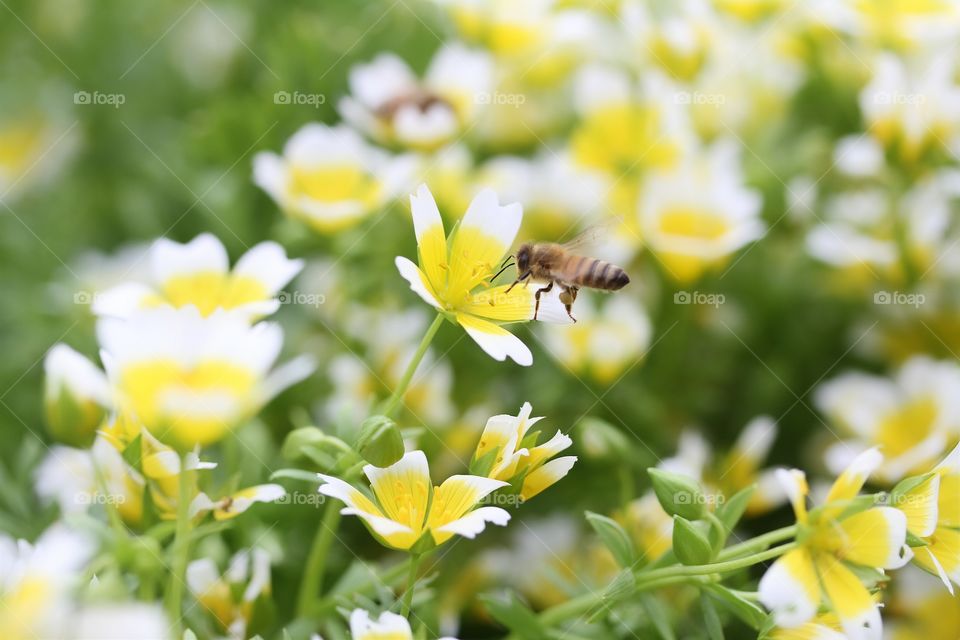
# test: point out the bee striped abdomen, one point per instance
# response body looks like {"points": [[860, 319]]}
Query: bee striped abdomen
{"points": [[599, 274]]}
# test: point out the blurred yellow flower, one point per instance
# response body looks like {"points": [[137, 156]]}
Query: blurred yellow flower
{"points": [[76, 395], [458, 283], [389, 626], [230, 597], [407, 506]]}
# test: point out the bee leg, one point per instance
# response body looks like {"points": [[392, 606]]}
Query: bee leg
{"points": [[536, 308], [521, 278], [568, 296]]}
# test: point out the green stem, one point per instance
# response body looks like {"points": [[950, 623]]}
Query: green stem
{"points": [[656, 578], [386, 578], [759, 543], [312, 583], [181, 549], [715, 567], [411, 583], [397, 396]]}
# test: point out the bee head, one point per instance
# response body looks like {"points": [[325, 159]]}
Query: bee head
{"points": [[523, 258]]}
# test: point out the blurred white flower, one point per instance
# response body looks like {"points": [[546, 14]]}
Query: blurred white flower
{"points": [[198, 273], [913, 105], [229, 597], [119, 621], [208, 41], [604, 343], [330, 178], [37, 580], [32, 150], [390, 104], [76, 395], [695, 217], [188, 378], [913, 416], [77, 479]]}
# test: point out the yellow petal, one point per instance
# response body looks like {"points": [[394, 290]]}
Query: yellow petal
{"points": [[941, 556], [431, 238], [920, 506], [497, 304], [546, 475], [485, 233], [457, 495], [848, 485], [403, 489], [851, 601], [876, 538]]}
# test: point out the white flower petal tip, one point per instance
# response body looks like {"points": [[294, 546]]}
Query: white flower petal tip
{"points": [[388, 625], [472, 524]]}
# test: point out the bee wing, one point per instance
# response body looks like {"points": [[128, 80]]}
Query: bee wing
{"points": [[592, 237]]}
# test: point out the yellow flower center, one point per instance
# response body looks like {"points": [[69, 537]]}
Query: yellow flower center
{"points": [[210, 290], [693, 223], [334, 184]]}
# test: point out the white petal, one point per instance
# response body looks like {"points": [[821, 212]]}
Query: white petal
{"points": [[270, 174], [497, 342], [205, 253], [487, 215], [122, 300], [417, 279], [388, 625], [474, 522], [790, 590], [426, 215], [268, 264]]}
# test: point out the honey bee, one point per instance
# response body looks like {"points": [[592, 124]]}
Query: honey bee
{"points": [[559, 265]]}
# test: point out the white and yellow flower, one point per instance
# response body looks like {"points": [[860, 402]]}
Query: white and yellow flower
{"points": [[230, 597], [32, 150], [912, 416], [625, 128], [650, 527], [190, 379], [76, 395], [455, 279], [329, 178], [931, 505], [508, 452], [694, 218], [198, 273], [232, 505], [870, 235], [832, 541], [604, 343], [37, 581], [920, 609], [407, 507], [391, 105], [913, 105], [80, 478], [389, 626]]}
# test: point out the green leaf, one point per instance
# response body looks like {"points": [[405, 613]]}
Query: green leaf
{"points": [[733, 509], [749, 612], [679, 495], [622, 586], [481, 466], [515, 616], [915, 541], [132, 452], [658, 616], [908, 484], [614, 538], [296, 474], [711, 618], [691, 542]]}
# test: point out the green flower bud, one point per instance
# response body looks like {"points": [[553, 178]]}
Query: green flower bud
{"points": [[691, 544], [679, 495], [379, 441], [311, 445]]}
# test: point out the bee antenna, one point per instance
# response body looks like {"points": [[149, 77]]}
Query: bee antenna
{"points": [[502, 269], [506, 260]]}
